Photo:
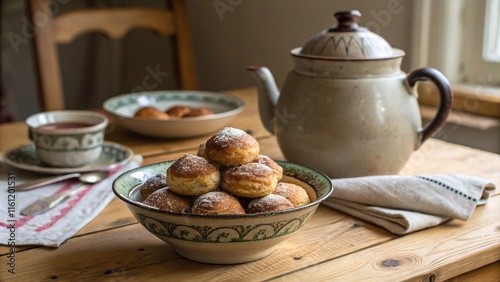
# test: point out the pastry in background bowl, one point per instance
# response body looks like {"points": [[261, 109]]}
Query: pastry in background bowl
{"points": [[185, 113], [150, 112]]}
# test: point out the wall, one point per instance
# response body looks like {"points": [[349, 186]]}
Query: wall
{"points": [[228, 35], [262, 32]]}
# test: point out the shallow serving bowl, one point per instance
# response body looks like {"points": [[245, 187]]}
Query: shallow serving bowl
{"points": [[223, 239], [224, 106]]}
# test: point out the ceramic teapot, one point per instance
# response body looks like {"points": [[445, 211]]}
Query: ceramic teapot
{"points": [[346, 108]]}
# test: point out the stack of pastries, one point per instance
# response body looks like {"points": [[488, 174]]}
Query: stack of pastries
{"points": [[174, 112], [227, 176]]}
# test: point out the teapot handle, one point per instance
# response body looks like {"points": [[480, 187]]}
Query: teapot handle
{"points": [[445, 96]]}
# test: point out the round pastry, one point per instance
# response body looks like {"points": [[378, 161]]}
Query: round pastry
{"points": [[151, 112], [199, 112], [166, 200], [192, 175], [201, 150], [267, 161], [250, 180], [232, 147], [269, 203], [294, 193], [178, 111], [152, 184], [217, 202]]}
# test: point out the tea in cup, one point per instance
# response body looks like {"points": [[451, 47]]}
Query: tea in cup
{"points": [[67, 138]]}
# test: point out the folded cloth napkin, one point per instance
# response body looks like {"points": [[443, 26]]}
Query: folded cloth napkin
{"points": [[55, 226], [404, 204]]}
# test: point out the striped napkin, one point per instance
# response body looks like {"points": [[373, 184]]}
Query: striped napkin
{"points": [[55, 226], [404, 204]]}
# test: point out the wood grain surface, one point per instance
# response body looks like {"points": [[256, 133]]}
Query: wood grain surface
{"points": [[331, 247]]}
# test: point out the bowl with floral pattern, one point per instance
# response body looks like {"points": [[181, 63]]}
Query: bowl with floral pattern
{"points": [[222, 109], [223, 238]]}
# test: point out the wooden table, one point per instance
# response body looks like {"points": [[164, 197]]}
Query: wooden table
{"points": [[332, 246]]}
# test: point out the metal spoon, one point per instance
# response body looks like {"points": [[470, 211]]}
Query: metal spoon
{"points": [[88, 177], [51, 201]]}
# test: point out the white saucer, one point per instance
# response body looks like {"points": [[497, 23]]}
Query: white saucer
{"points": [[24, 157]]}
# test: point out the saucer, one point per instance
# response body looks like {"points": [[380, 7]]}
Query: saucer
{"points": [[24, 157]]}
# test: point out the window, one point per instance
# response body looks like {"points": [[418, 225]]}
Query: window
{"points": [[491, 44], [461, 38]]}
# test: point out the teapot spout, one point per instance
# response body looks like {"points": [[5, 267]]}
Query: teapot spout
{"points": [[268, 95]]}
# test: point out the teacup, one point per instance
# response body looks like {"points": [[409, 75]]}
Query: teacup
{"points": [[67, 138]]}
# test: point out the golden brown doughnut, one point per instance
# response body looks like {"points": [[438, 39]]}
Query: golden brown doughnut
{"points": [[294, 193], [152, 184], [232, 147], [267, 161], [199, 112], [178, 111], [201, 150], [217, 202], [166, 200], [250, 180], [192, 175], [269, 203], [151, 112]]}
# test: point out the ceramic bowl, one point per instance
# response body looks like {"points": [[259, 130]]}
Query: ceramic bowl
{"points": [[223, 239], [224, 106], [67, 138]]}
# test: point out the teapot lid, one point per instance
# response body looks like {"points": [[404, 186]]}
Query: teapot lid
{"points": [[349, 41]]}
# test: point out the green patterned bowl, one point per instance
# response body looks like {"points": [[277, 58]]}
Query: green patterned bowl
{"points": [[224, 106], [223, 239]]}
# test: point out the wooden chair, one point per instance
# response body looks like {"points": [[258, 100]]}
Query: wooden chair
{"points": [[114, 23]]}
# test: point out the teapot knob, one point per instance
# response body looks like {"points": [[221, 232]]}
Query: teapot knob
{"points": [[348, 21]]}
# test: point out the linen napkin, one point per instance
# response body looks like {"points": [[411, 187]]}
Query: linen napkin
{"points": [[55, 226], [403, 204]]}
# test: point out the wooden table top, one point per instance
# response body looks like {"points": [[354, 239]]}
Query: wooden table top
{"points": [[332, 246]]}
